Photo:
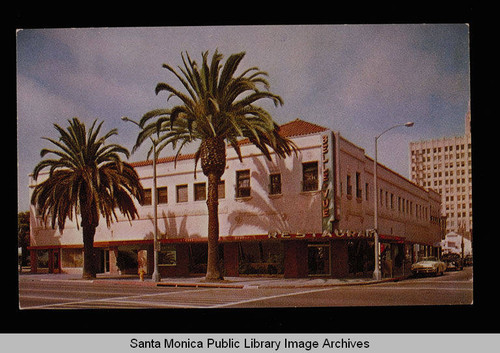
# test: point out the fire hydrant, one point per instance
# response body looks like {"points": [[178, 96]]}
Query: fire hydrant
{"points": [[141, 275]]}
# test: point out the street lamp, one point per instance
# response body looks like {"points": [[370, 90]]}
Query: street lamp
{"points": [[156, 273], [376, 271]]}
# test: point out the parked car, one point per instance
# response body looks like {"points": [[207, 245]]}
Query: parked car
{"points": [[453, 262], [428, 265], [468, 260]]}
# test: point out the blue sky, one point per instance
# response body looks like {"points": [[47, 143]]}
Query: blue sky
{"points": [[355, 79]]}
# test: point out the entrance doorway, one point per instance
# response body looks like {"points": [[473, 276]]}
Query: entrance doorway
{"points": [[318, 259], [102, 260], [56, 262]]}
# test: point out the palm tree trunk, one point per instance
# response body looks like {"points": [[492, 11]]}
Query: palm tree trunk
{"points": [[89, 268], [213, 270]]}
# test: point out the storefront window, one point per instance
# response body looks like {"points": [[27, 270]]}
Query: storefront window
{"points": [[198, 258], [43, 258], [167, 256], [360, 257], [318, 259], [261, 258]]}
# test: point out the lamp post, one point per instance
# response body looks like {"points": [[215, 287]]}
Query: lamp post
{"points": [[156, 273], [376, 271]]}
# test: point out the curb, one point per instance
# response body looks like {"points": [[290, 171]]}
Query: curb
{"points": [[237, 285], [201, 285], [345, 284], [255, 286]]}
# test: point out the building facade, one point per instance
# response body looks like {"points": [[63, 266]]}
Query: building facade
{"points": [[310, 214], [454, 243], [445, 165]]}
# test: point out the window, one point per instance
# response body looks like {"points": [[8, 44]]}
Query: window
{"points": [[318, 259], [349, 186], [162, 195], [275, 184], [200, 191], [243, 183], [261, 257], [358, 185], [310, 176], [222, 189], [167, 256], [198, 257], [148, 199], [182, 193]]}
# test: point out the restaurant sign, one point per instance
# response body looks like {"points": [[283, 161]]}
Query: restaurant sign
{"points": [[337, 233]]}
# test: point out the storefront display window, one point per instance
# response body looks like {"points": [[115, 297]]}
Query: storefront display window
{"points": [[261, 258], [318, 259], [360, 257], [43, 259], [198, 258], [167, 256]]}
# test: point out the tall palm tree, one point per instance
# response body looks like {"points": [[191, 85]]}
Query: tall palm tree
{"points": [[217, 107], [87, 177]]}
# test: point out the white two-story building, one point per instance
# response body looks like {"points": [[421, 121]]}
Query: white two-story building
{"points": [[310, 214]]}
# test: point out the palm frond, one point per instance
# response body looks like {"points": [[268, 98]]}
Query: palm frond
{"points": [[86, 176], [217, 103]]}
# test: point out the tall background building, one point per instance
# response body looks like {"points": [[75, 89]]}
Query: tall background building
{"points": [[445, 165]]}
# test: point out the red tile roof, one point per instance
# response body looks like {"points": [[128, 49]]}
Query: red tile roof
{"points": [[293, 128], [299, 127]]}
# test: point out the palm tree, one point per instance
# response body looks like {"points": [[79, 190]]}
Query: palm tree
{"points": [[217, 108], [87, 177]]}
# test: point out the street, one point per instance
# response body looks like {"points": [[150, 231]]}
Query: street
{"points": [[453, 288]]}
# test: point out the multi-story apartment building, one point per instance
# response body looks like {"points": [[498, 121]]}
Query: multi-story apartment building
{"points": [[310, 214], [445, 165]]}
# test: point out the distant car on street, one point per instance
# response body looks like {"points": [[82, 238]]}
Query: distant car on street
{"points": [[468, 260], [453, 262], [428, 265]]}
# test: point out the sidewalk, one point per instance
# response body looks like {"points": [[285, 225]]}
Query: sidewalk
{"points": [[228, 282]]}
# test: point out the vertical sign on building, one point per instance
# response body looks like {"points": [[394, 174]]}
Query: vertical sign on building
{"points": [[327, 182]]}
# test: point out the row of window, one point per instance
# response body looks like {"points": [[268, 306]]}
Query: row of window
{"points": [[438, 149], [386, 198], [310, 182], [403, 205], [419, 167], [181, 193], [438, 158]]}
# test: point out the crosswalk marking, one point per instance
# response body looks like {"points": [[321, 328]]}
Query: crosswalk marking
{"points": [[90, 302], [190, 298]]}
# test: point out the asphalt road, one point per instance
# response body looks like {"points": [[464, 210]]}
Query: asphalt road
{"points": [[453, 288]]}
